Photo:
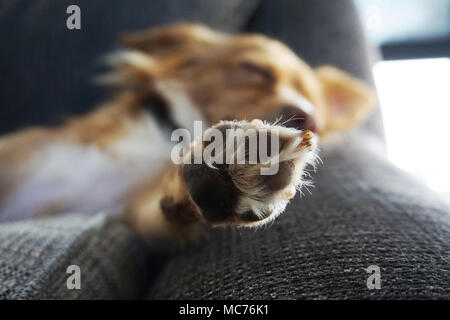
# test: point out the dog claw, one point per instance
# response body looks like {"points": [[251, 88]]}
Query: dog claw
{"points": [[257, 122], [307, 135], [306, 140], [289, 194]]}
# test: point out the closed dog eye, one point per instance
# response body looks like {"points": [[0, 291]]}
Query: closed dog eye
{"points": [[256, 73]]}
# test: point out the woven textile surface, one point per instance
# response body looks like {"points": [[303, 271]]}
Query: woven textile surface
{"points": [[362, 212]]}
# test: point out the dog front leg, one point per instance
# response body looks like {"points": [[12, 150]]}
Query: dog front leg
{"points": [[164, 210], [188, 196]]}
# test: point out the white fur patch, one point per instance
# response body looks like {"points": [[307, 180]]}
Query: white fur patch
{"points": [[73, 177]]}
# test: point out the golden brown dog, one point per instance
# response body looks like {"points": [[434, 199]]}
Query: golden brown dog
{"points": [[118, 156]]}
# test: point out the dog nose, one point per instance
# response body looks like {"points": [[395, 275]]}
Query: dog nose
{"points": [[294, 117]]}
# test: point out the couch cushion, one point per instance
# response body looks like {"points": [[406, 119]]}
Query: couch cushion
{"points": [[35, 255], [362, 212]]}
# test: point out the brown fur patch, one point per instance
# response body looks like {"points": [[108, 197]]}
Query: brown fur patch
{"points": [[226, 77], [181, 212]]}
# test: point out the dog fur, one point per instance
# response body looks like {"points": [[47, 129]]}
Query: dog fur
{"points": [[117, 157]]}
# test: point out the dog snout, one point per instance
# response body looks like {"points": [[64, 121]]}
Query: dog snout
{"points": [[294, 117]]}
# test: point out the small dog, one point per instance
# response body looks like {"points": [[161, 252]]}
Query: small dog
{"points": [[118, 156]]}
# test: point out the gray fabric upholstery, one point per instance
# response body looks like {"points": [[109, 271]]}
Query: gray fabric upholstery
{"points": [[362, 212], [46, 76], [34, 256]]}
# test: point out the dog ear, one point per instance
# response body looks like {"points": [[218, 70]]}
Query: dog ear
{"points": [[130, 69], [148, 54], [168, 40], [349, 101]]}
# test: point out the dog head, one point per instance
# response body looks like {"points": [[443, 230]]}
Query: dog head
{"points": [[206, 75]]}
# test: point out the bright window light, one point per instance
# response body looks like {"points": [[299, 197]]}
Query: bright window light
{"points": [[415, 101]]}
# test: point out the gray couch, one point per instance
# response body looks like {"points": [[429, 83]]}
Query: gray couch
{"points": [[362, 212]]}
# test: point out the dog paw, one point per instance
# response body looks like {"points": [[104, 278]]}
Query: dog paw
{"points": [[249, 171]]}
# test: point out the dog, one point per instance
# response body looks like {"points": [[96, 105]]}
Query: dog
{"points": [[117, 157]]}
